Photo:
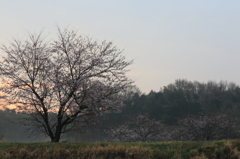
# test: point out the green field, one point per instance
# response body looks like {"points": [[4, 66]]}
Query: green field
{"points": [[162, 150]]}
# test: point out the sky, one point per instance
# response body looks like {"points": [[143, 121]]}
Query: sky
{"points": [[167, 39]]}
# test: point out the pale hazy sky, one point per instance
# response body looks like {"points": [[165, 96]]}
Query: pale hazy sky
{"points": [[168, 39]]}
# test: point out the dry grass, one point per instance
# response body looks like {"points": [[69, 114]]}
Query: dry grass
{"points": [[200, 157], [100, 152], [225, 151], [164, 150]]}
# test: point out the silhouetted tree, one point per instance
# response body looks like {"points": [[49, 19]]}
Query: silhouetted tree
{"points": [[73, 76]]}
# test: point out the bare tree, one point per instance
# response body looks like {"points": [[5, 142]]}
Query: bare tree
{"points": [[138, 129], [63, 84], [208, 127]]}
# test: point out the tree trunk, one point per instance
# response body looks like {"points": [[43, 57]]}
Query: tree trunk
{"points": [[57, 134], [56, 139]]}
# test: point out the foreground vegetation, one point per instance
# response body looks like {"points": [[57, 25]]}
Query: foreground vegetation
{"points": [[175, 150]]}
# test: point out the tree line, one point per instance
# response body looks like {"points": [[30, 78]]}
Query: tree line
{"points": [[185, 97], [183, 110], [188, 110]]}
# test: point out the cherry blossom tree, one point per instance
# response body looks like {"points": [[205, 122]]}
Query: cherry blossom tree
{"points": [[138, 129], [62, 84], [121, 133], [207, 127]]}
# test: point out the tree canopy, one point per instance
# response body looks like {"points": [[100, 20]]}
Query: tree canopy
{"points": [[64, 83]]}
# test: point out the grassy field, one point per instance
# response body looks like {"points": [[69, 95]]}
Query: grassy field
{"points": [[162, 150]]}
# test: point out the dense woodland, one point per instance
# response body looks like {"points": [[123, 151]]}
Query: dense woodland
{"points": [[170, 105]]}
